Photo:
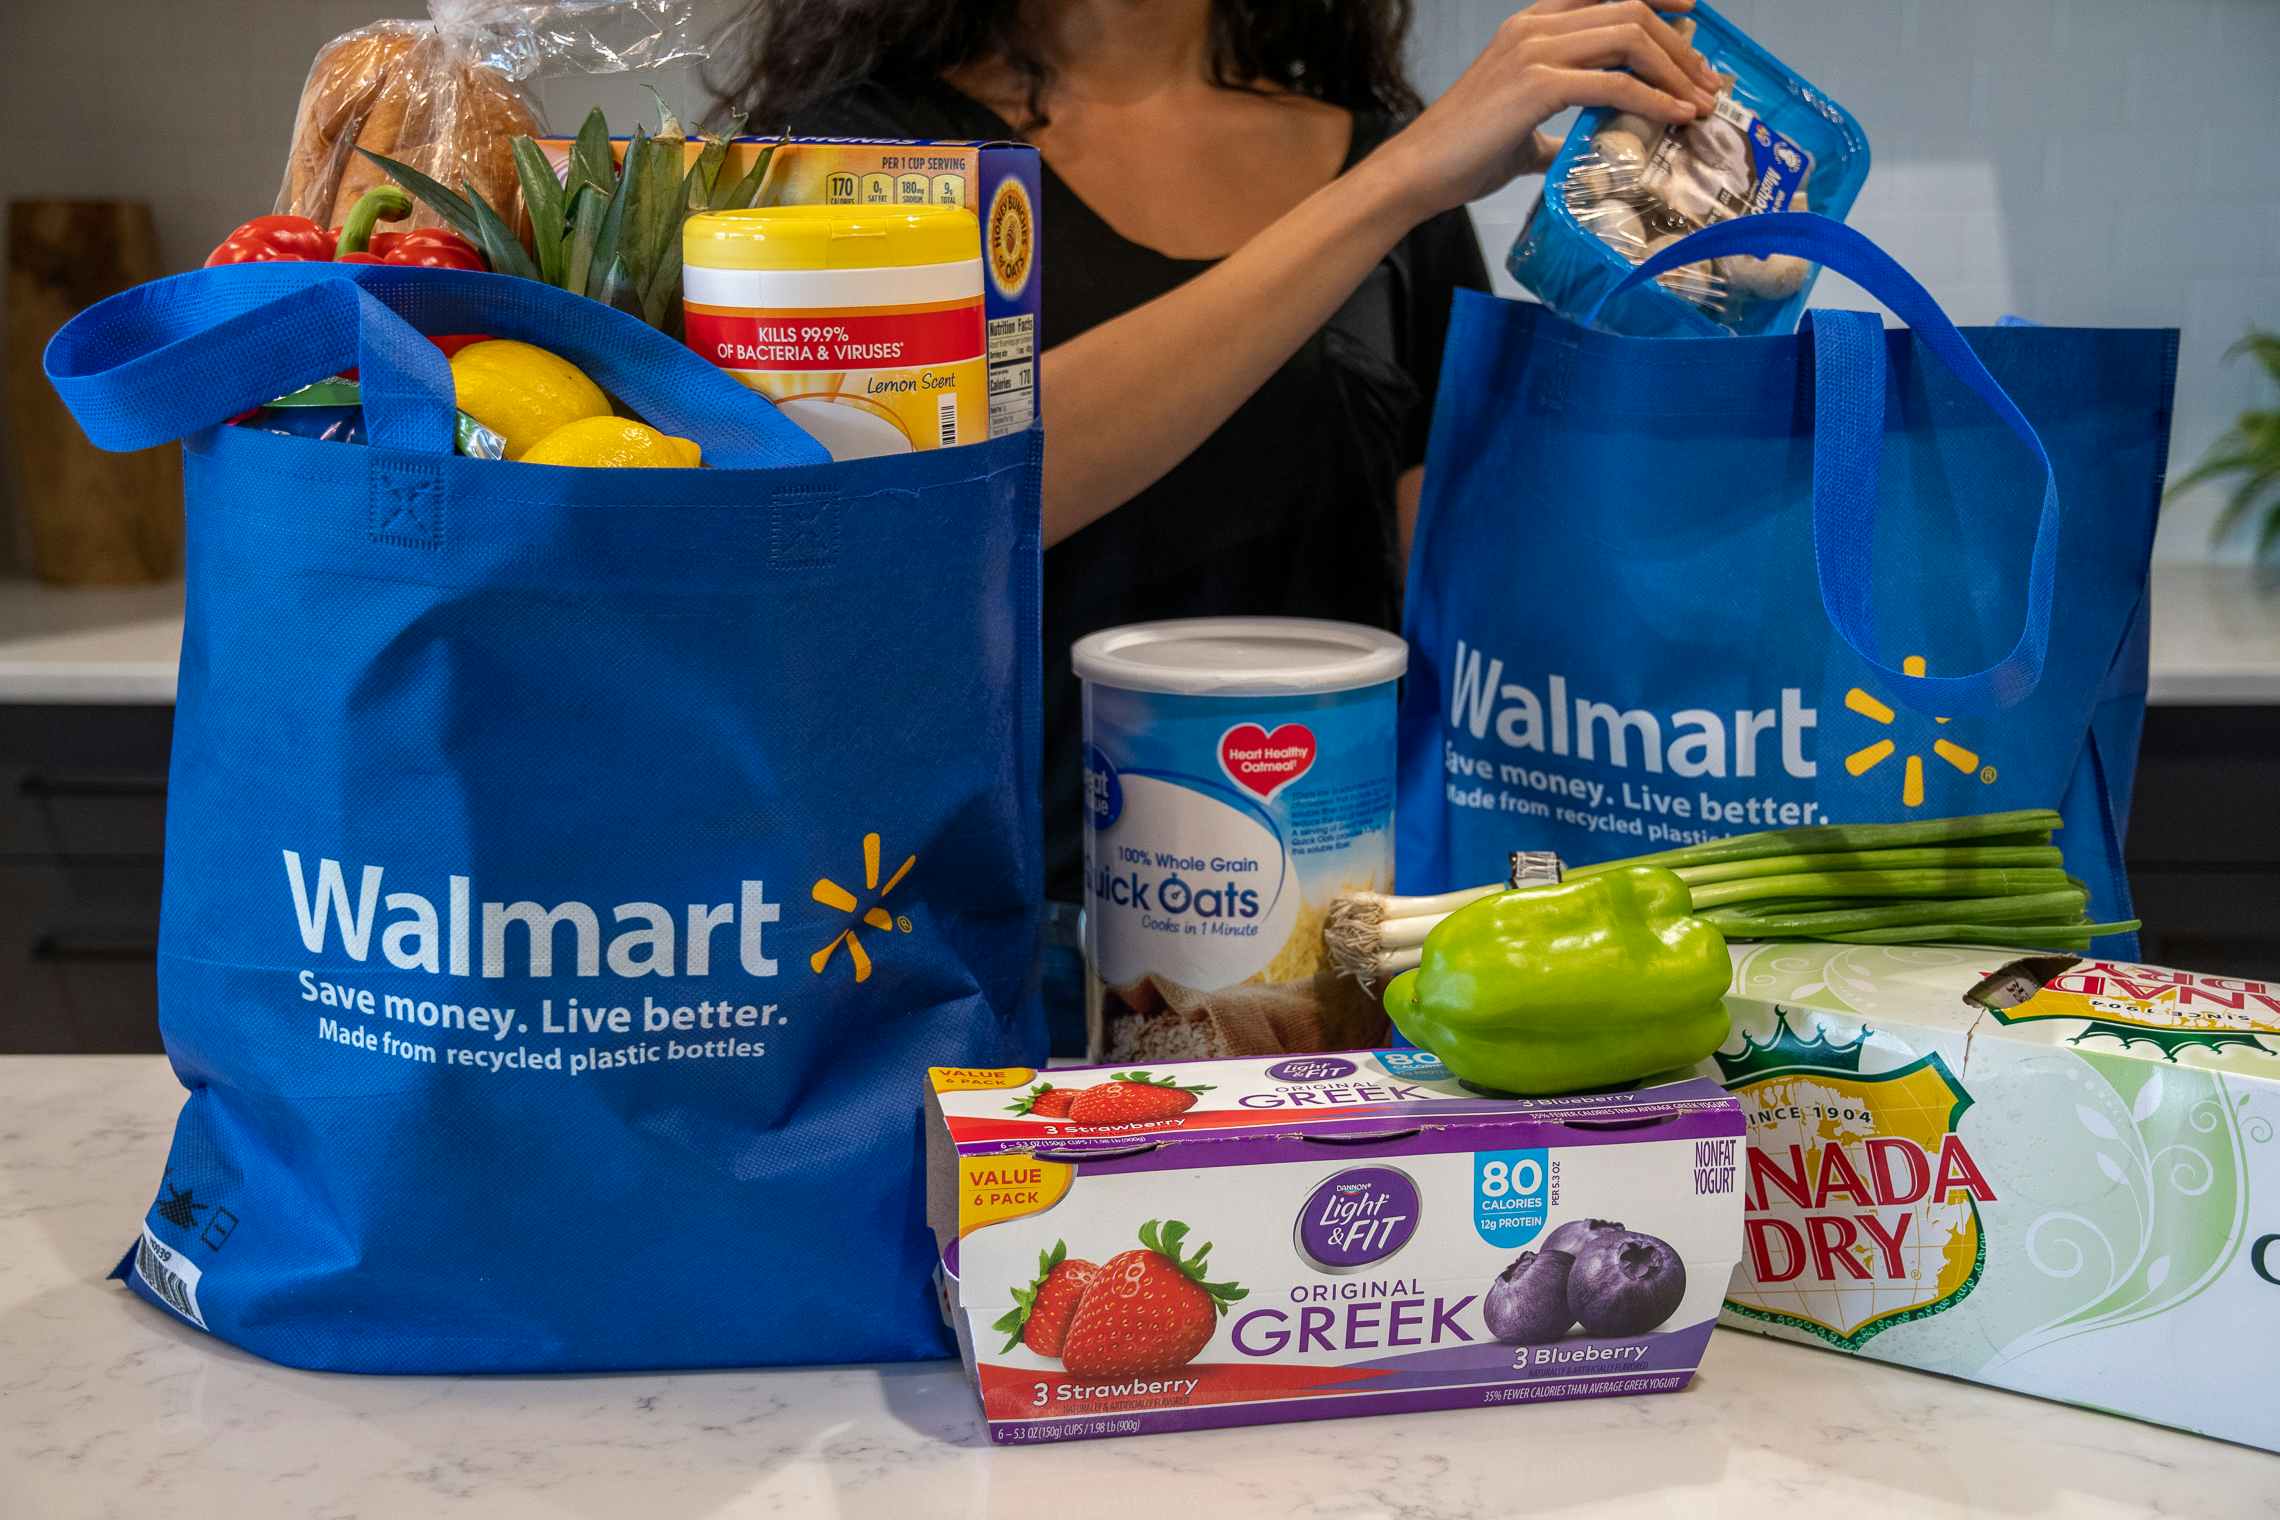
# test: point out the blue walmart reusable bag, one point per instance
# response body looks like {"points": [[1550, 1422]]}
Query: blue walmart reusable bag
{"points": [[1671, 589], [570, 874]]}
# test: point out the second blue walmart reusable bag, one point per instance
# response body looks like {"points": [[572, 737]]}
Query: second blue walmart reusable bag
{"points": [[1668, 589]]}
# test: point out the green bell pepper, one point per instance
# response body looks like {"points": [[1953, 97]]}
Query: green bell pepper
{"points": [[1578, 984]]}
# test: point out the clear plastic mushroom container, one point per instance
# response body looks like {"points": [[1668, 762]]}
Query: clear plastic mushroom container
{"points": [[1624, 187]]}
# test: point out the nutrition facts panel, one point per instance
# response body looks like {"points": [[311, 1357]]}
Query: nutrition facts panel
{"points": [[1013, 373]]}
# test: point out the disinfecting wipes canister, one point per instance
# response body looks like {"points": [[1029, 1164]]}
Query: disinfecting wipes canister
{"points": [[864, 324], [1238, 776]]}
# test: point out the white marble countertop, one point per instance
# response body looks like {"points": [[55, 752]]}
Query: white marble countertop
{"points": [[110, 1408], [2216, 640]]}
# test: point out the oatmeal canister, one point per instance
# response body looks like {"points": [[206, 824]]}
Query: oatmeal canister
{"points": [[863, 323], [1238, 776]]}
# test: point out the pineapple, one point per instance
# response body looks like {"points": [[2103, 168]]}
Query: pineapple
{"points": [[605, 229]]}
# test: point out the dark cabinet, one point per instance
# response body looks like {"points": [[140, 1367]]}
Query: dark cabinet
{"points": [[82, 826], [2204, 844]]}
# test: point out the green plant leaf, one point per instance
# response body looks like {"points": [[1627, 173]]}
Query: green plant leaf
{"points": [[609, 235], [2264, 346], [2229, 455], [634, 179], [2268, 536], [498, 240], [441, 199], [668, 124], [586, 213], [693, 194], [704, 174], [543, 200], [660, 201], [618, 289], [2242, 502], [2249, 449], [591, 162], [745, 194], [716, 152], [661, 298]]}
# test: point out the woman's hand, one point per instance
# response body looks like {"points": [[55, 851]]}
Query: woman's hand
{"points": [[1482, 132]]}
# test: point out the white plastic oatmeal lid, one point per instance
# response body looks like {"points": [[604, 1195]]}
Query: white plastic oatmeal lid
{"points": [[1240, 656]]}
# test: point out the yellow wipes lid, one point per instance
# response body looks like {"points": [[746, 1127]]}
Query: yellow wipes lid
{"points": [[831, 237]]}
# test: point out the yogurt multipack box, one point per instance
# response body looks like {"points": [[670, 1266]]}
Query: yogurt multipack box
{"points": [[2052, 1174], [1303, 1237]]}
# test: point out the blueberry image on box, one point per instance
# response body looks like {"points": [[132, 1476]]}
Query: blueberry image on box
{"points": [[1615, 1281], [1528, 1303], [1573, 1236], [1625, 1283]]}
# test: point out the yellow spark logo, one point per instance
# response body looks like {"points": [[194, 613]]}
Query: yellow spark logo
{"points": [[1869, 756], [836, 897]]}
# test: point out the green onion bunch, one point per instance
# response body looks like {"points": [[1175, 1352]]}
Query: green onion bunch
{"points": [[1990, 879], [1993, 879]]}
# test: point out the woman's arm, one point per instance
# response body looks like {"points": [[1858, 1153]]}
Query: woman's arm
{"points": [[1134, 396]]}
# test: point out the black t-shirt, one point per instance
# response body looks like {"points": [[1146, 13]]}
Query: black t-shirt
{"points": [[1288, 509]]}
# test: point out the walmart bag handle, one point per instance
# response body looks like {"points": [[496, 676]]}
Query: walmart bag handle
{"points": [[1848, 445], [168, 359]]}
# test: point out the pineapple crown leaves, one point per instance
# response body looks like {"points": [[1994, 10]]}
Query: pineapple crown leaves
{"points": [[1027, 1102], [1145, 1079], [1016, 1319], [1164, 1237], [602, 228]]}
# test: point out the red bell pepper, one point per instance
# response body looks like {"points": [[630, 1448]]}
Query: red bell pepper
{"points": [[422, 248], [296, 239], [425, 248], [292, 239]]}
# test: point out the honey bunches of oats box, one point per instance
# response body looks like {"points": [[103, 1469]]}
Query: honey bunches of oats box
{"points": [[2053, 1175]]}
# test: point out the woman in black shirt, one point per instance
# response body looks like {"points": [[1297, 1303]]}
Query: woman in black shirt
{"points": [[1251, 231]]}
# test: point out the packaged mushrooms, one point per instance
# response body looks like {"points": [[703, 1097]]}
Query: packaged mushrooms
{"points": [[1623, 188]]}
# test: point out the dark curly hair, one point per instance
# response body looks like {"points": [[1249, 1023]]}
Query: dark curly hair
{"points": [[792, 53]]}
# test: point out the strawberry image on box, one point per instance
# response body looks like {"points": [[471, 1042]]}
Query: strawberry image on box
{"points": [[1128, 1250]]}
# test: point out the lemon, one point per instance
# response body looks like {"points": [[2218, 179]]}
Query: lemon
{"points": [[522, 392], [614, 443]]}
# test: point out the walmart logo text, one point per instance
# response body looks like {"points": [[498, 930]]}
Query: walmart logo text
{"points": [[466, 938], [1692, 741]]}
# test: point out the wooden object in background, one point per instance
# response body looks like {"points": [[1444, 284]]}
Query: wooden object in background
{"points": [[89, 518]]}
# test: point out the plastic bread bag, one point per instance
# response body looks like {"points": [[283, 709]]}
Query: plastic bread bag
{"points": [[448, 95], [1622, 187]]}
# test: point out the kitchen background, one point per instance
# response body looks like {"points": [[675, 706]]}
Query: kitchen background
{"points": [[2073, 161]]}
